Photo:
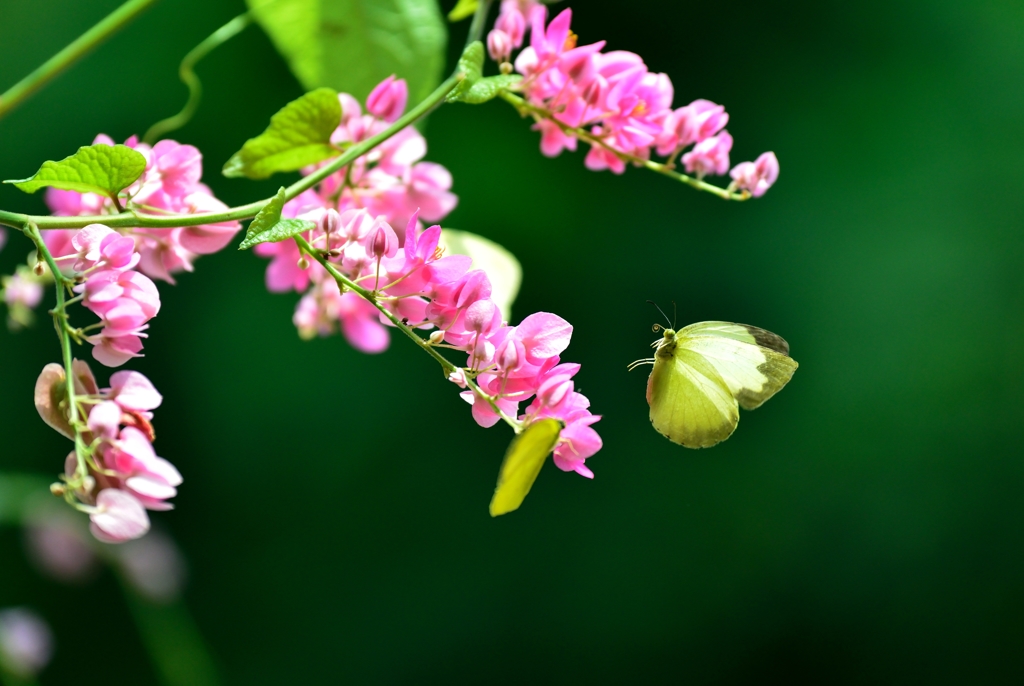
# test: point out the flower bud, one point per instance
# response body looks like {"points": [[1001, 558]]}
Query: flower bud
{"points": [[499, 46], [384, 242], [387, 100]]}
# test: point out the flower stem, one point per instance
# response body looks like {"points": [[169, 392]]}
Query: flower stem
{"points": [[371, 298], [60, 322], [73, 52], [525, 107]]}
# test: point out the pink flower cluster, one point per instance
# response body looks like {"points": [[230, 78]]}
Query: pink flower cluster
{"points": [[391, 184], [170, 184], [124, 299], [626, 107], [126, 477], [367, 218], [428, 290]]}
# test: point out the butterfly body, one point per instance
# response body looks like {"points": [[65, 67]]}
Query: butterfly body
{"points": [[705, 372]]}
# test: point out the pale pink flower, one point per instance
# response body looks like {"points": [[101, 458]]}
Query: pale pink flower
{"points": [[757, 176], [499, 45], [57, 544], [104, 419], [153, 566], [20, 290], [133, 392], [710, 156], [118, 517], [26, 643]]}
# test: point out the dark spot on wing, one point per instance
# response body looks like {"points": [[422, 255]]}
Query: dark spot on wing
{"points": [[767, 339]]}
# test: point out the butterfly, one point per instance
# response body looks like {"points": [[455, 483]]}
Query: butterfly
{"points": [[705, 372], [523, 461]]}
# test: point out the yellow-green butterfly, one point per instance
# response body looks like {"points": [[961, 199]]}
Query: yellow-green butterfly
{"points": [[523, 460], [705, 372]]}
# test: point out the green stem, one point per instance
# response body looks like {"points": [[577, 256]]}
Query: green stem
{"points": [[187, 74], [173, 641], [476, 28], [60, 321], [664, 169], [133, 219], [371, 297], [73, 52]]}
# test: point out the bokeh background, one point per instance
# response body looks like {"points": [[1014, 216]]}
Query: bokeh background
{"points": [[863, 526]]}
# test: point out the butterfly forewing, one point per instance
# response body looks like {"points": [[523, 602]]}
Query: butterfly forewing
{"points": [[752, 371]]}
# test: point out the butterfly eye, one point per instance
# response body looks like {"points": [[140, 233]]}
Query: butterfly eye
{"points": [[656, 328]]}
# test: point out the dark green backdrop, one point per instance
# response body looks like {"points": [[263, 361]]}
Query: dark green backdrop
{"points": [[864, 526]]}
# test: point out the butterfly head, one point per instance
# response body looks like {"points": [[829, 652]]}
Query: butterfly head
{"points": [[665, 345]]}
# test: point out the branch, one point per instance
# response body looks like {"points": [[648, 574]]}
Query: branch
{"points": [[73, 52]]}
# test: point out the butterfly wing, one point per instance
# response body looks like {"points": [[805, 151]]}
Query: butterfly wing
{"points": [[753, 363], [690, 402], [523, 461]]}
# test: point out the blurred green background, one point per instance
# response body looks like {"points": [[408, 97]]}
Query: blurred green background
{"points": [[862, 527]]}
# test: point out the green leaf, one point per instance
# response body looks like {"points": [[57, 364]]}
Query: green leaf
{"points": [[463, 10], [487, 88], [103, 169], [352, 45], [298, 135], [471, 66], [501, 266], [268, 227]]}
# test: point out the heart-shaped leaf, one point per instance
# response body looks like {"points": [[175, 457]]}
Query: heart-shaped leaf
{"points": [[299, 135], [102, 169]]}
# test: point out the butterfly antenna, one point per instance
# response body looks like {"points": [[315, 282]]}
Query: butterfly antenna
{"points": [[675, 314], [661, 310]]}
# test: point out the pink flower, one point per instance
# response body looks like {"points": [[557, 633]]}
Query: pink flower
{"points": [[118, 517], [98, 246], [387, 100], [107, 289], [544, 335], [151, 479], [26, 643], [698, 121], [758, 176], [710, 156]]}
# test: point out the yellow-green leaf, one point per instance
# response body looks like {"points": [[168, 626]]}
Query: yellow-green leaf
{"points": [[299, 135], [463, 10], [352, 45]]}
